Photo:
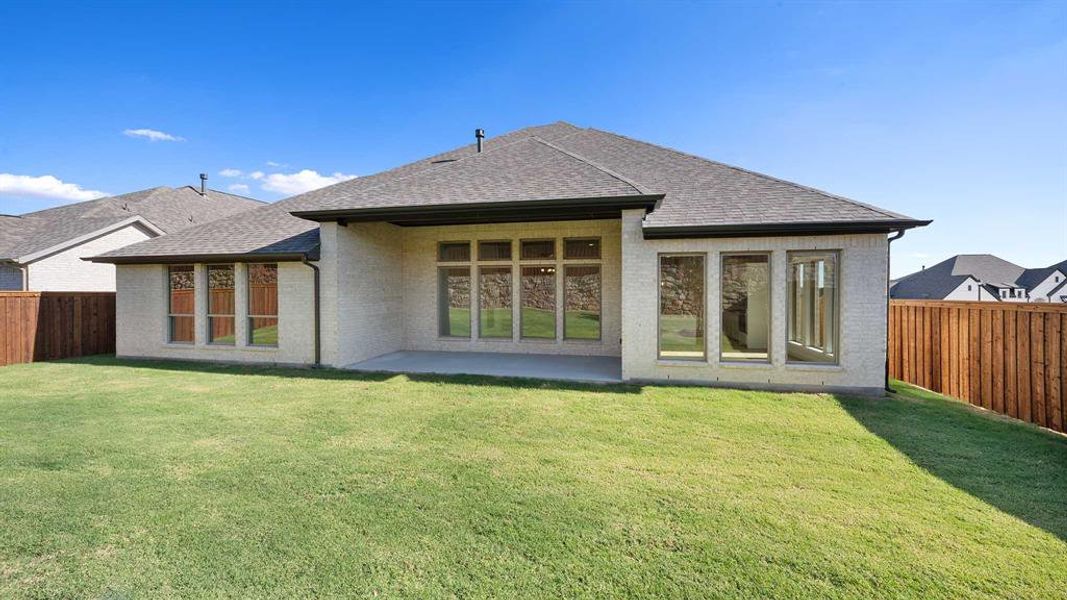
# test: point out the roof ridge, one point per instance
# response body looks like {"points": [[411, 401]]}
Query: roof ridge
{"points": [[754, 173], [637, 186]]}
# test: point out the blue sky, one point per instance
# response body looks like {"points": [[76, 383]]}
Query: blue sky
{"points": [[950, 111]]}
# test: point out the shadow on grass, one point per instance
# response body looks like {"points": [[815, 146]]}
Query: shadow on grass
{"points": [[1014, 467], [329, 374]]}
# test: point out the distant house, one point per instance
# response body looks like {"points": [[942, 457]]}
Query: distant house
{"points": [[42, 251], [983, 278]]}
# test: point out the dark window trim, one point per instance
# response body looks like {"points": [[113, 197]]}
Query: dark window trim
{"points": [[659, 302], [599, 247], [211, 315], [600, 300], [470, 306], [770, 306], [248, 301], [555, 300], [511, 252], [555, 248], [171, 314], [458, 262], [490, 265]]}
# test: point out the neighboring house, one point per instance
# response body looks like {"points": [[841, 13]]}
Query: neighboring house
{"points": [[42, 251], [984, 278], [553, 240]]}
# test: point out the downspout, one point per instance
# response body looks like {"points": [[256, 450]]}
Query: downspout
{"points": [[318, 320], [896, 236]]}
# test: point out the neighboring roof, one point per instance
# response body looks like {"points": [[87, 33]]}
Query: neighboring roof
{"points": [[160, 210], [1062, 287], [555, 171], [994, 273], [1033, 277], [933, 283]]}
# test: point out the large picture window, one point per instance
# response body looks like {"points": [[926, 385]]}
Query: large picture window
{"points": [[746, 308], [220, 317], [813, 307], [581, 311], [454, 302], [181, 304], [538, 315], [494, 302], [681, 307], [263, 304]]}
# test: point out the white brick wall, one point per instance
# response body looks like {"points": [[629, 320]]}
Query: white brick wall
{"points": [[65, 271], [862, 300], [141, 306]]}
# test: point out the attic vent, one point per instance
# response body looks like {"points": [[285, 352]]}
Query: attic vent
{"points": [[442, 161]]}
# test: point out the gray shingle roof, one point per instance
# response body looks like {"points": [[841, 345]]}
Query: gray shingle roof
{"points": [[168, 209], [550, 162], [937, 281]]}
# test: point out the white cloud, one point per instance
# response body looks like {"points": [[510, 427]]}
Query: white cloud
{"points": [[239, 188], [256, 174], [45, 186], [271, 163], [230, 173], [152, 135], [300, 182]]}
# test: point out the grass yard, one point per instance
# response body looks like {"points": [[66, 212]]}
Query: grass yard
{"points": [[148, 480]]}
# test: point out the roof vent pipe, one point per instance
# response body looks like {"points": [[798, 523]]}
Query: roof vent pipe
{"points": [[203, 184], [479, 134]]}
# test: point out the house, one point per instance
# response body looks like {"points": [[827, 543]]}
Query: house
{"points": [[42, 251], [983, 278], [554, 245]]}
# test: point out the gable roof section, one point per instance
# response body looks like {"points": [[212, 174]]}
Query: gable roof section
{"points": [[1033, 277], [549, 172], [158, 210], [932, 283]]}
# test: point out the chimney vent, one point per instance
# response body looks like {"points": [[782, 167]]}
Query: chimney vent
{"points": [[479, 134], [203, 184]]}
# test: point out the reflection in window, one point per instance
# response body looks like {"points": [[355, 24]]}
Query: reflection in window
{"points": [[263, 305], [813, 309], [454, 252], [454, 302], [581, 248], [681, 307], [537, 249], [181, 304], [220, 304], [494, 302], [746, 307], [581, 311], [538, 317], [494, 250]]}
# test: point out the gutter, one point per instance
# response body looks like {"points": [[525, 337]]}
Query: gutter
{"points": [[896, 236], [778, 229], [318, 314]]}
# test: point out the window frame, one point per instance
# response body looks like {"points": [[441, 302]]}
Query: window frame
{"points": [[600, 301], [659, 312], [443, 243], [555, 301], [210, 315], [511, 251], [770, 307], [470, 310], [555, 249], [838, 269], [171, 315], [510, 266], [249, 315], [599, 248]]}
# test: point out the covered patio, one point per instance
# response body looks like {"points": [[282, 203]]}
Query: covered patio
{"points": [[588, 369]]}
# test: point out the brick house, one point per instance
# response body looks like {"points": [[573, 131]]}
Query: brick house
{"points": [[552, 243]]}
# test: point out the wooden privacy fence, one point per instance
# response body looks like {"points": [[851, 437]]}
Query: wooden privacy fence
{"points": [[37, 326], [1010, 358]]}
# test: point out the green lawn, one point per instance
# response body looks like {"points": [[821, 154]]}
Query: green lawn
{"points": [[155, 480]]}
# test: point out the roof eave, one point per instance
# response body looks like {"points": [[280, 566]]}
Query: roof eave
{"points": [[779, 229], [553, 209], [205, 258]]}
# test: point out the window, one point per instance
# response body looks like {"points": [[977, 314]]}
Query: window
{"points": [[454, 302], [681, 307], [181, 303], [220, 305], [494, 302], [746, 307], [538, 297], [813, 307], [263, 305], [581, 248], [494, 250], [969, 288], [537, 249], [454, 251], [581, 310]]}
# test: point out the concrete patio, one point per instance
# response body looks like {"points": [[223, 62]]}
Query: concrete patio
{"points": [[590, 369]]}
